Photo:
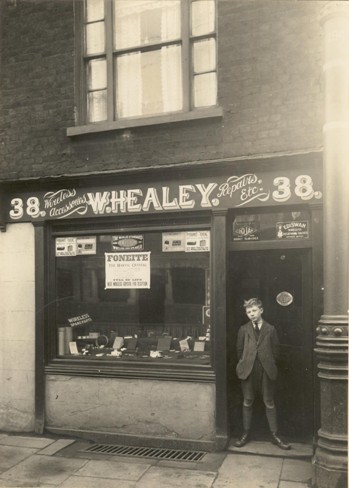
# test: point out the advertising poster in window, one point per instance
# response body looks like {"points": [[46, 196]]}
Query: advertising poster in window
{"points": [[292, 230], [86, 245], [246, 231], [65, 246], [173, 241], [197, 241], [128, 243], [127, 270]]}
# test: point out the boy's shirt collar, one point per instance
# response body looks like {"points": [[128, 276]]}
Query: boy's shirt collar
{"points": [[257, 322]]}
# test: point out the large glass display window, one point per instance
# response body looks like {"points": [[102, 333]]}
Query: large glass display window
{"points": [[134, 296]]}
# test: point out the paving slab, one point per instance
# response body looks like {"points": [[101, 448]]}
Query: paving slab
{"points": [[44, 469], [292, 484], [10, 456], [23, 484], [157, 477], [296, 470], [56, 447], [113, 470], [24, 441], [84, 482], [263, 448], [249, 471]]}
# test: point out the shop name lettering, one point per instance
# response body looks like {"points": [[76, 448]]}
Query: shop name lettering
{"points": [[238, 190]]}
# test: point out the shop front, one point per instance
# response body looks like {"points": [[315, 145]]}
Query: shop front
{"points": [[139, 283]]}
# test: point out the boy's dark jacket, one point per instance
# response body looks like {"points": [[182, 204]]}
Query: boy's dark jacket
{"points": [[267, 349]]}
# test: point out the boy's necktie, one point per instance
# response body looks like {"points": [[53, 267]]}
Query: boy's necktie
{"points": [[256, 328]]}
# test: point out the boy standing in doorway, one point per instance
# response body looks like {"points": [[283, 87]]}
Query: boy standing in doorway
{"points": [[258, 349]]}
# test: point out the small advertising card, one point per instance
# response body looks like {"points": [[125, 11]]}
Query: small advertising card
{"points": [[246, 231], [292, 230], [184, 345], [128, 242], [173, 241], [199, 346], [86, 245], [197, 241], [65, 246], [73, 348]]}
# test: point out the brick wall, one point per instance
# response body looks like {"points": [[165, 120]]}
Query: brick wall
{"points": [[269, 87]]}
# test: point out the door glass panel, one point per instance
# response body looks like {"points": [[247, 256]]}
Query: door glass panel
{"points": [[279, 226]]}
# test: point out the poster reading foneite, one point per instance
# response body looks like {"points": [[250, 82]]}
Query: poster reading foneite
{"points": [[127, 270]]}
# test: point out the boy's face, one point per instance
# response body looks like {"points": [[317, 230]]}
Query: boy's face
{"points": [[254, 313]]}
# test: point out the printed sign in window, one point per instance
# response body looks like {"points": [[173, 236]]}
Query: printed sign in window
{"points": [[292, 230], [65, 246], [124, 270], [198, 241], [173, 241], [246, 231], [128, 243]]}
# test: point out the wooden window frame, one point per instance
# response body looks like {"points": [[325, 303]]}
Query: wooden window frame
{"points": [[186, 41]]}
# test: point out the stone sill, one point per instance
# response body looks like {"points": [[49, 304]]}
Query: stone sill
{"points": [[204, 113]]}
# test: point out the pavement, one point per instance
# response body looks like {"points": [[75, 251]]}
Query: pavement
{"points": [[49, 461]]}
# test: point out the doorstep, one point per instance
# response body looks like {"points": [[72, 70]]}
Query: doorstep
{"points": [[262, 448]]}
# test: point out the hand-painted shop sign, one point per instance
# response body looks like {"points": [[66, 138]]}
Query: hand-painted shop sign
{"points": [[235, 191]]}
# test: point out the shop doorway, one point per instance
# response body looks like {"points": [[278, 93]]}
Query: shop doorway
{"points": [[282, 280]]}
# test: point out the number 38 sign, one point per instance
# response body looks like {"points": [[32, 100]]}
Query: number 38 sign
{"points": [[303, 188]]}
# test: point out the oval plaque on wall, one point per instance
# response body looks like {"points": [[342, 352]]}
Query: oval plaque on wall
{"points": [[284, 298]]}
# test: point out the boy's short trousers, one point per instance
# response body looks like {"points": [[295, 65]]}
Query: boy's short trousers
{"points": [[258, 383]]}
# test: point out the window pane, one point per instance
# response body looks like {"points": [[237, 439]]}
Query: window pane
{"points": [[149, 83], [139, 22], [202, 17], [95, 38], [97, 74], [94, 10], [166, 317], [205, 56], [272, 226], [97, 106], [205, 90]]}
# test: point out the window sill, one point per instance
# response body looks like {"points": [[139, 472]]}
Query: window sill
{"points": [[204, 113]]}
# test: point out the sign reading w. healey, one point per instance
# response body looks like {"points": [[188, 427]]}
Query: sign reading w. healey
{"points": [[246, 190]]}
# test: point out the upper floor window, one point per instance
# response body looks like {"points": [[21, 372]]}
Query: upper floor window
{"points": [[148, 57]]}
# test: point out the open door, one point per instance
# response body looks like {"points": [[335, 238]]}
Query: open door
{"points": [[282, 280]]}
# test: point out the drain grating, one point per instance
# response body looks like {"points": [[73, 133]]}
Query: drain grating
{"points": [[146, 452]]}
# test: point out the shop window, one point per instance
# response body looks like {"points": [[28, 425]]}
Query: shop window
{"points": [[138, 297], [145, 58]]}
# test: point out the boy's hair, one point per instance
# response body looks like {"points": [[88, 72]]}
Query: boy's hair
{"points": [[253, 302]]}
